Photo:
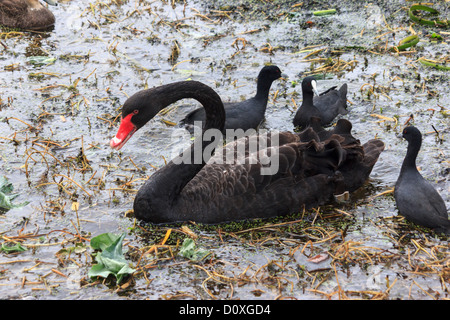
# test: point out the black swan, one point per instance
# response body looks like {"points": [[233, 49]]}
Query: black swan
{"points": [[26, 14], [325, 106], [247, 114], [309, 172], [417, 200]]}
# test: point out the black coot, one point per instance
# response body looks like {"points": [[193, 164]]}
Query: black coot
{"points": [[326, 106], [417, 200], [246, 114]]}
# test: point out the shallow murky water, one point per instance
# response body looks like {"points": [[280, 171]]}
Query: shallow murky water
{"points": [[56, 121]]}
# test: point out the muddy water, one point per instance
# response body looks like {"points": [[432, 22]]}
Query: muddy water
{"points": [[57, 120]]}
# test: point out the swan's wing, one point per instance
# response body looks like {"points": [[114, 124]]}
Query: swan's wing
{"points": [[306, 175], [240, 148], [258, 170], [359, 162], [372, 150]]}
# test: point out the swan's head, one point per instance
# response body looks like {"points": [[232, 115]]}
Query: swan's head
{"points": [[309, 84], [136, 112], [144, 105]]}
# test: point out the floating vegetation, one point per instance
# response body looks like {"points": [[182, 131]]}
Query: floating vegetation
{"points": [[413, 15], [190, 251], [407, 43], [41, 60], [7, 197], [326, 64], [12, 248], [324, 12], [57, 117], [110, 259], [433, 63]]}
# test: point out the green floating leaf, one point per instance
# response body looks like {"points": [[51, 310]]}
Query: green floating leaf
{"points": [[104, 240], [15, 248], [6, 197], [407, 42], [189, 250], [41, 60], [427, 63], [324, 12], [437, 36], [110, 259], [418, 7]]}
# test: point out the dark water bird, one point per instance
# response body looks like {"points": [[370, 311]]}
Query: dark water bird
{"points": [[26, 14], [326, 106], [303, 171], [247, 114], [417, 200], [343, 128]]}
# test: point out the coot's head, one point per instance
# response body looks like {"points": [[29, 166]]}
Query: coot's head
{"points": [[270, 73], [412, 134], [309, 85]]}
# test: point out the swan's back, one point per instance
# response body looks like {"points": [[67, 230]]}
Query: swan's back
{"points": [[308, 175]]}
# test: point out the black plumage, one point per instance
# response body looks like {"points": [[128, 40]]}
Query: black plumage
{"points": [[417, 200], [326, 106], [309, 171], [247, 114]]}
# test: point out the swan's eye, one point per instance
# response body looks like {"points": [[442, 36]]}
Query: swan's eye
{"points": [[135, 111]]}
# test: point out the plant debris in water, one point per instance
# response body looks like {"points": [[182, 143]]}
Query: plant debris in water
{"points": [[190, 251], [57, 116], [6, 196], [110, 258], [12, 248]]}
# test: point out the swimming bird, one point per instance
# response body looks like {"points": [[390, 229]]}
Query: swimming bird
{"points": [[26, 14], [326, 106], [307, 171], [247, 114], [417, 200]]}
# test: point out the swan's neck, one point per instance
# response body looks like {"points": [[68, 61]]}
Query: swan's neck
{"points": [[163, 188], [163, 96]]}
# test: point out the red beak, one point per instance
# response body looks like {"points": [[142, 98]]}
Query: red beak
{"points": [[126, 130]]}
